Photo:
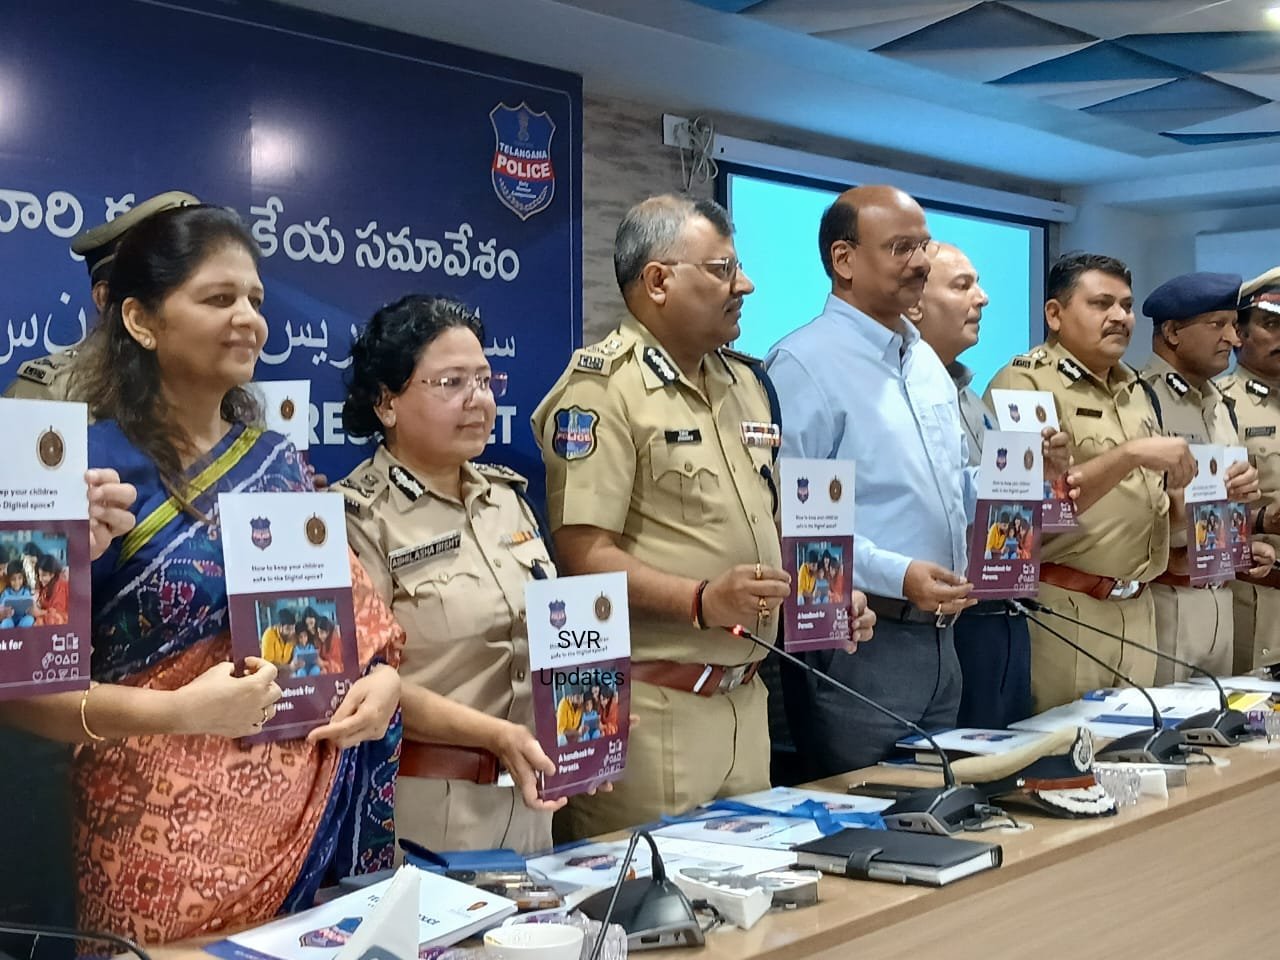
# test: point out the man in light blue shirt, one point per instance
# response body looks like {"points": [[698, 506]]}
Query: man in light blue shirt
{"points": [[858, 383]]}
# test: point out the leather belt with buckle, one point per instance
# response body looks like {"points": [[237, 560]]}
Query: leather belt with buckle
{"points": [[704, 679], [1182, 580], [442, 761], [904, 611], [1100, 588]]}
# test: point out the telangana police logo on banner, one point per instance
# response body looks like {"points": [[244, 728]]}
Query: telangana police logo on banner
{"points": [[523, 177]]}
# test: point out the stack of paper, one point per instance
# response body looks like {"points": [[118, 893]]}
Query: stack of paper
{"points": [[448, 912]]}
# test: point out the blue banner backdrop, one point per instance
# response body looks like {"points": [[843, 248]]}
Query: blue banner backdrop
{"points": [[368, 164]]}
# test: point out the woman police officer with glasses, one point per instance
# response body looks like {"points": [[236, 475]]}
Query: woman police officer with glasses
{"points": [[449, 545]]}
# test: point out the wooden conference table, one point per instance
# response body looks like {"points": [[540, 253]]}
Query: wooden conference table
{"points": [[1184, 877]]}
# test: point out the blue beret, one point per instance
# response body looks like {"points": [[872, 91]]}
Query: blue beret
{"points": [[1192, 294]]}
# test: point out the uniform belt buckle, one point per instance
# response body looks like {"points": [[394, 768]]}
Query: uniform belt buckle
{"points": [[731, 679], [1125, 590]]}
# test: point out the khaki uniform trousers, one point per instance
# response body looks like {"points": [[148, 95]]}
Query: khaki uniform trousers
{"points": [[461, 815], [1193, 624], [684, 750], [1059, 674], [1257, 626]]}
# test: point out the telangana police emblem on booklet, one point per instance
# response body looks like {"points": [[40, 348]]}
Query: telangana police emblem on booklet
{"points": [[1209, 554], [817, 550], [580, 658], [285, 405], [289, 591], [524, 177], [1004, 541], [44, 542], [1031, 411], [1238, 517]]}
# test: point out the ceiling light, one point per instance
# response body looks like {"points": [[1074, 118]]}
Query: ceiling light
{"points": [[1273, 15]]}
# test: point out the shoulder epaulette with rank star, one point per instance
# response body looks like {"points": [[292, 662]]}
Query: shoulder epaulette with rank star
{"points": [[741, 357], [360, 490], [43, 370], [496, 471], [600, 357], [1026, 361], [1257, 388]]}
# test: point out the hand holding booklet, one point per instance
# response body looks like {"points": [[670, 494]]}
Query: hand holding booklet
{"points": [[580, 654], [289, 585]]}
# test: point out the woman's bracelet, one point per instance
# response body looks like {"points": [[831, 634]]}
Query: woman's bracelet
{"points": [[84, 721]]}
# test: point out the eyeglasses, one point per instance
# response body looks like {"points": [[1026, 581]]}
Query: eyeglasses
{"points": [[454, 388], [723, 268], [905, 249]]}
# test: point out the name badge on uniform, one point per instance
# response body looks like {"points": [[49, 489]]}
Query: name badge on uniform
{"points": [[1257, 389], [686, 435], [408, 556], [761, 434], [1260, 431], [1087, 412]]}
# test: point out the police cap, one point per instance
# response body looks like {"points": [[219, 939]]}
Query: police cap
{"points": [[1191, 295], [98, 244]]}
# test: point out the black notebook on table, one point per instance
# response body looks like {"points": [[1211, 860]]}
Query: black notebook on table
{"points": [[896, 856]]}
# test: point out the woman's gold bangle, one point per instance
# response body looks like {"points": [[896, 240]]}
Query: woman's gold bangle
{"points": [[84, 722]]}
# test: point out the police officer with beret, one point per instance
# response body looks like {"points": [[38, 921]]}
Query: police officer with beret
{"points": [[1254, 386], [1193, 320], [1122, 466], [51, 377], [659, 447]]}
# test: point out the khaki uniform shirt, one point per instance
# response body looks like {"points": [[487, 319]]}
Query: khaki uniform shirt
{"points": [[453, 573], [974, 413], [45, 378], [632, 447], [1257, 407], [1125, 534], [1187, 412]]}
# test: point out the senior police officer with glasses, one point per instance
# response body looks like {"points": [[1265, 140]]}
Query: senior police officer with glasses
{"points": [[659, 446], [858, 383], [450, 545], [1254, 387]]}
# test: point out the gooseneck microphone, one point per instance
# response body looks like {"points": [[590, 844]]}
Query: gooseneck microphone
{"points": [[942, 810], [1159, 745], [36, 931], [1223, 727]]}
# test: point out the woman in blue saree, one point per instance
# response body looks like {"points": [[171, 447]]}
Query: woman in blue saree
{"points": [[180, 828]]}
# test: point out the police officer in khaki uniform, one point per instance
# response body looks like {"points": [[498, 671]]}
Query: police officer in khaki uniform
{"points": [[51, 377], [1255, 387], [659, 452], [449, 545], [1099, 574], [1193, 319]]}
